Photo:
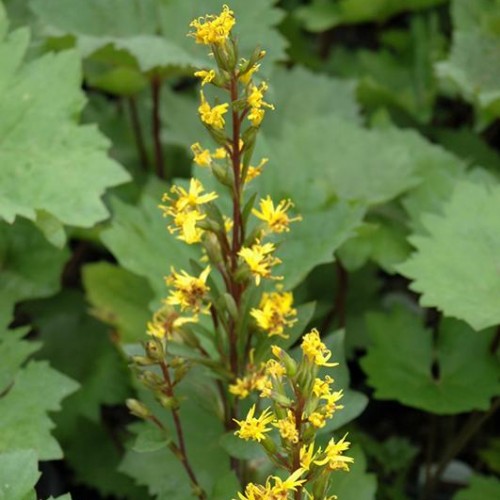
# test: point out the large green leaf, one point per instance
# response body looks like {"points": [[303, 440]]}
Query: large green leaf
{"points": [[18, 475], [471, 66], [80, 347], [483, 487], [37, 389], [456, 264], [154, 32], [325, 14], [53, 170], [30, 266], [400, 362], [139, 239], [119, 298]]}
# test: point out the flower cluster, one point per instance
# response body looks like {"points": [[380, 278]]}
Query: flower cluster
{"points": [[231, 286], [301, 403]]}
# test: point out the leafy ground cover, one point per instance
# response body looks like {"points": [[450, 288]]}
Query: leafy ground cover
{"points": [[385, 135]]}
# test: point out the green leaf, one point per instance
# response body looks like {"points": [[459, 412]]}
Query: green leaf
{"points": [[225, 487], [139, 239], [50, 164], [357, 484], [399, 364], [491, 455], [322, 15], [154, 32], [13, 353], [94, 455], [119, 298], [471, 67], [287, 92], [456, 263], [23, 410], [30, 266], [150, 439], [18, 475], [243, 450], [483, 487], [80, 347]]}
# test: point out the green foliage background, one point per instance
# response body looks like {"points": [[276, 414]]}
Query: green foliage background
{"points": [[386, 136]]}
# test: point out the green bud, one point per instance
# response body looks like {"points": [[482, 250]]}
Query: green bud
{"points": [[150, 379], [168, 402], [281, 399], [212, 246], [223, 174], [242, 274], [138, 409], [269, 445], [231, 306], [141, 361], [154, 350]]}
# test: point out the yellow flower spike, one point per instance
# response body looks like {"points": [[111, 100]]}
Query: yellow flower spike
{"points": [[189, 291], [166, 321], [212, 29], [220, 153], [260, 261], [278, 491], [334, 458], [287, 428], [274, 313], [276, 218], [205, 76], [314, 350], [254, 172], [290, 484], [212, 116], [253, 428]]}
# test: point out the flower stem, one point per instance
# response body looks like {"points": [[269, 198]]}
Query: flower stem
{"points": [[156, 126], [137, 130], [182, 452]]}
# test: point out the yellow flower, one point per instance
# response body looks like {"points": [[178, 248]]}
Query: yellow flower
{"points": [[202, 157], [245, 77], [275, 369], [206, 76], [185, 224], [288, 428], [306, 456], [274, 313], [166, 321], [333, 455], [212, 116], [259, 259], [322, 387], [331, 405], [189, 291], [254, 172], [212, 29], [314, 350], [187, 200], [317, 419], [256, 102], [241, 387], [277, 491], [254, 428], [276, 218], [256, 97]]}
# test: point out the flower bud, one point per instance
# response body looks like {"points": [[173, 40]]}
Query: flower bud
{"points": [[269, 445], [168, 402], [230, 306], [154, 350], [289, 363], [138, 409], [141, 361]]}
